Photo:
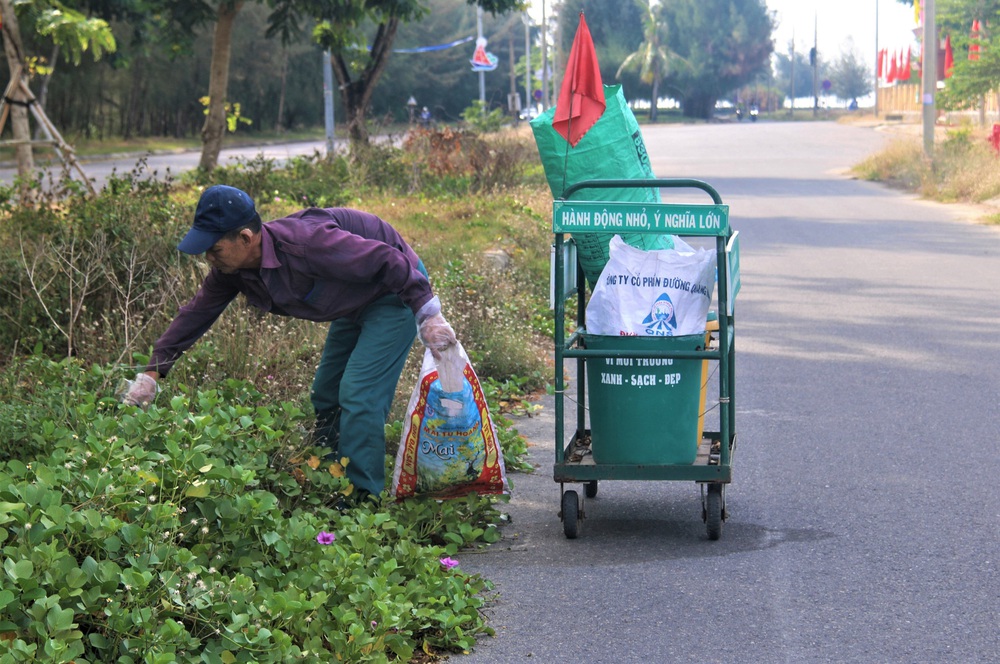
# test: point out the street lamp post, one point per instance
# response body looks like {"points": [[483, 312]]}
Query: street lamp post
{"points": [[411, 107]]}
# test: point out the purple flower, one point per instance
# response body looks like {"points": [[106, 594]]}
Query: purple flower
{"points": [[448, 563], [325, 538], [374, 624]]}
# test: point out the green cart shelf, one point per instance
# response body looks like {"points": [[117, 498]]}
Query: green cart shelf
{"points": [[645, 432]]}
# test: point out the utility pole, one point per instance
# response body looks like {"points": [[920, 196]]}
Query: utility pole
{"points": [[815, 63], [877, 72], [545, 60], [328, 103], [527, 61], [930, 50], [482, 74], [791, 108]]}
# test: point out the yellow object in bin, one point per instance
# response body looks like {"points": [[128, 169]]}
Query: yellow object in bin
{"points": [[711, 325]]}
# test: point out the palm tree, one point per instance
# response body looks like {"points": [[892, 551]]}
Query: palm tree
{"points": [[653, 57]]}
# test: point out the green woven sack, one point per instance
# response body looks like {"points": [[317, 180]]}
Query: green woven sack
{"points": [[613, 149]]}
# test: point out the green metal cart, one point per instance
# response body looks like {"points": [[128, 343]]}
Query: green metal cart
{"points": [[628, 416]]}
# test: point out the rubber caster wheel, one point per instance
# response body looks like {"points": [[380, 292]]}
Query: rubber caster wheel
{"points": [[590, 489], [571, 514], [713, 511]]}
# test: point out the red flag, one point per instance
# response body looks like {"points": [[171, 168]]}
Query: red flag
{"points": [[974, 44], [893, 69], [880, 68], [904, 70], [581, 98], [949, 57]]}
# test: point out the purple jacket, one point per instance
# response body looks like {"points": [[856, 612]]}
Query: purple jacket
{"points": [[318, 265]]}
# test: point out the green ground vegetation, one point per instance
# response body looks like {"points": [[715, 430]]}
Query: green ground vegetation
{"points": [[203, 528]]}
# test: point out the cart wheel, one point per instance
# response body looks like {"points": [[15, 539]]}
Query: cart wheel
{"points": [[713, 511], [571, 514], [590, 489]]}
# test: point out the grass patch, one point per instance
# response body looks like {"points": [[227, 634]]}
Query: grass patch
{"points": [[963, 170]]}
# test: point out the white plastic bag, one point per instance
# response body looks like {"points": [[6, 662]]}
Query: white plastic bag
{"points": [[659, 293]]}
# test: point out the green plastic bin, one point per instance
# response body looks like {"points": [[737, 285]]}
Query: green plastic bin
{"points": [[644, 410]]}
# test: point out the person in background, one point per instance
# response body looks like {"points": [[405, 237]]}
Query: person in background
{"points": [[342, 266]]}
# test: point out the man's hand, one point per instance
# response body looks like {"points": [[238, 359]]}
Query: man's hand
{"points": [[436, 334], [141, 391]]}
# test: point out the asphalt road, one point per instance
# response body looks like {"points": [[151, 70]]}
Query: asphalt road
{"points": [[864, 508], [161, 165]]}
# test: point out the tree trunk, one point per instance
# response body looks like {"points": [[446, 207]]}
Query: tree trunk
{"points": [[280, 122], [656, 94], [14, 50], [357, 95], [699, 106], [43, 88], [135, 103], [218, 83]]}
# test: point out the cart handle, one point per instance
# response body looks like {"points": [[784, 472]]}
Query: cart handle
{"points": [[675, 183]]}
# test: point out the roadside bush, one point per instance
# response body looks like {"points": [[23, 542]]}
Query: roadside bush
{"points": [[901, 164], [481, 119], [83, 276], [312, 181], [964, 167], [459, 161], [202, 531]]}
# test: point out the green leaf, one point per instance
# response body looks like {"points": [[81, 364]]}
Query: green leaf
{"points": [[98, 641], [197, 490], [58, 620], [22, 569], [7, 509]]}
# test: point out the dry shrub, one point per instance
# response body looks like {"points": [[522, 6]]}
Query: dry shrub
{"points": [[964, 167], [481, 163], [901, 164]]}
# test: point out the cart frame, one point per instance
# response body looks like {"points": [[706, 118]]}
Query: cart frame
{"points": [[712, 468]]}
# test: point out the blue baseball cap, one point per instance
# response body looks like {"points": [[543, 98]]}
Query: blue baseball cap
{"points": [[221, 209]]}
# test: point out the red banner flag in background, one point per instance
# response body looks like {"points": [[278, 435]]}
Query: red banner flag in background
{"points": [[949, 57], [881, 63], [974, 44], [581, 98], [904, 70]]}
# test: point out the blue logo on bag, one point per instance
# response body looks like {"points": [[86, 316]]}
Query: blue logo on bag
{"points": [[661, 321]]}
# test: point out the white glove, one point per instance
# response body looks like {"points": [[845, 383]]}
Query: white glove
{"points": [[141, 391], [436, 334]]}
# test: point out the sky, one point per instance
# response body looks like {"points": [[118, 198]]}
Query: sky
{"points": [[833, 21]]}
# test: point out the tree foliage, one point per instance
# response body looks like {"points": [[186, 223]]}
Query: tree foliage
{"points": [[803, 73], [67, 29], [443, 80], [654, 59], [971, 79], [725, 44], [359, 34], [850, 75]]}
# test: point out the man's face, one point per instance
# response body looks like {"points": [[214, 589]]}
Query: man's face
{"points": [[228, 256]]}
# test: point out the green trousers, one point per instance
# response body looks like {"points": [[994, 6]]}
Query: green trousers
{"points": [[355, 384]]}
